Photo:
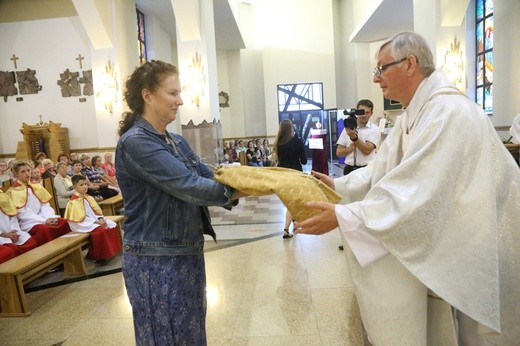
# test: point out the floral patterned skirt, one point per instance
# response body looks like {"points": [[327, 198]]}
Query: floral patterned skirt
{"points": [[168, 298]]}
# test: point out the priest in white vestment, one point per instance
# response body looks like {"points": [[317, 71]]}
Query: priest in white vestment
{"points": [[435, 214]]}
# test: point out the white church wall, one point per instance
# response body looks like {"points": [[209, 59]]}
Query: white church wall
{"points": [[49, 47], [235, 124], [296, 39], [223, 85], [506, 74], [158, 41]]}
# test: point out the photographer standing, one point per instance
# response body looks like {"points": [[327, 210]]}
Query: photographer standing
{"points": [[357, 145]]}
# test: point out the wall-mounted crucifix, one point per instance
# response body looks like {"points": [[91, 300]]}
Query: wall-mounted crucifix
{"points": [[79, 58], [14, 58]]}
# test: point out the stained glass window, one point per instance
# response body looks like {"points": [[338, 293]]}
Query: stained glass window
{"points": [[484, 54], [141, 38]]}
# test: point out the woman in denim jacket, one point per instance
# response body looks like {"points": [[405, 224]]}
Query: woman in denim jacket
{"points": [[166, 189]]}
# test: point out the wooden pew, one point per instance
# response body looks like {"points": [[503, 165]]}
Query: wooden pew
{"points": [[242, 158], [7, 184], [48, 184], [111, 205], [19, 271]]}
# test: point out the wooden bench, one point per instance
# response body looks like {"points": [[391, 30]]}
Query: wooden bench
{"points": [[19, 271], [6, 184], [110, 205], [48, 184]]}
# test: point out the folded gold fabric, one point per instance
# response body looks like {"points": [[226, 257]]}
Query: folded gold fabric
{"points": [[294, 188]]}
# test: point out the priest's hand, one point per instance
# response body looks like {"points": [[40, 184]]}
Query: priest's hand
{"points": [[319, 224], [324, 178]]}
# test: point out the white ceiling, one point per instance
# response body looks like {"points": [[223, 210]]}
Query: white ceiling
{"points": [[227, 33], [390, 17]]}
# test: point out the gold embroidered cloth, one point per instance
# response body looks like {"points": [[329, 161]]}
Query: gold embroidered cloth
{"points": [[7, 205], [18, 193], [294, 188]]}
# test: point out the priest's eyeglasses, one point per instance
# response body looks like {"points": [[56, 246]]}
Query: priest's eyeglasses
{"points": [[376, 72]]}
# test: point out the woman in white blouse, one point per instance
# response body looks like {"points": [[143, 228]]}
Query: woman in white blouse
{"points": [[63, 186]]}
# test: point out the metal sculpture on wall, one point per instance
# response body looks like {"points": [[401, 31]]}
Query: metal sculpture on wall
{"points": [[7, 88], [27, 82], [223, 99], [88, 88], [69, 84]]}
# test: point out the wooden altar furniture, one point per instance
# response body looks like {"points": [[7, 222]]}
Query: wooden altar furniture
{"points": [[50, 138]]}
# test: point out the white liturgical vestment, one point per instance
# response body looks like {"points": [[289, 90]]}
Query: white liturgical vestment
{"points": [[441, 200]]}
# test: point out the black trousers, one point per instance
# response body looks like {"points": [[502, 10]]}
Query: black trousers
{"points": [[348, 168]]}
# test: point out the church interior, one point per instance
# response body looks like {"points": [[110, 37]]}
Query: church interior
{"points": [[63, 64]]}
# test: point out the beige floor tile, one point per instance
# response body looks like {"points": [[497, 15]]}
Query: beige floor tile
{"points": [[308, 340], [338, 317], [117, 307], [102, 332]]}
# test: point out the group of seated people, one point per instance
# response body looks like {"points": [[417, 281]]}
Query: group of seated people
{"points": [[27, 220], [257, 152], [102, 182]]}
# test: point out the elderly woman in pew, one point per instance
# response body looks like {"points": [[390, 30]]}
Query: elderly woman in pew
{"points": [[5, 173], [49, 172], [63, 186], [13, 241]]}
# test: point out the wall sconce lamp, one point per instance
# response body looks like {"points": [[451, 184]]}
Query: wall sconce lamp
{"points": [[195, 80], [107, 88], [453, 65]]}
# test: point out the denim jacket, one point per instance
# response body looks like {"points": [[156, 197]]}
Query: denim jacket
{"points": [[166, 189]]}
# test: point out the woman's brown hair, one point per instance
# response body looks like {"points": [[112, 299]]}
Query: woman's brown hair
{"points": [[147, 76], [285, 133]]}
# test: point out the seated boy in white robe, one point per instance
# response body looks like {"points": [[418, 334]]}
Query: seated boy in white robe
{"points": [[84, 215], [13, 241], [35, 215]]}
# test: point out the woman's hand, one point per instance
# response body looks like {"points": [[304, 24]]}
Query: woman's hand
{"points": [[324, 179], [238, 194], [319, 224]]}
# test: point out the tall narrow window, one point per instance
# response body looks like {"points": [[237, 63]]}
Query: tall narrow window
{"points": [[141, 39], [484, 55]]}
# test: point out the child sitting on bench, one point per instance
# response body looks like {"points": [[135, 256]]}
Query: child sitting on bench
{"points": [[84, 215], [13, 241]]}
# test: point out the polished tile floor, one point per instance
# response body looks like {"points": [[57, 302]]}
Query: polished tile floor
{"points": [[261, 289]]}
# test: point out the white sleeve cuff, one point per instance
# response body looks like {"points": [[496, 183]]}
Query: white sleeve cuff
{"points": [[364, 246]]}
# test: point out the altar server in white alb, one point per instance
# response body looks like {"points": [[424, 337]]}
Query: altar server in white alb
{"points": [[13, 241], [84, 215], [35, 215], [432, 224]]}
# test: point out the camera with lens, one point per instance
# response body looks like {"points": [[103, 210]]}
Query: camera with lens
{"points": [[350, 122]]}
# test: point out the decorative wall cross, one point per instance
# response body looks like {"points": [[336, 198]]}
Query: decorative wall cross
{"points": [[14, 58], [79, 58]]}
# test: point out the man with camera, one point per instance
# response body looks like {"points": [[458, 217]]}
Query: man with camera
{"points": [[359, 139]]}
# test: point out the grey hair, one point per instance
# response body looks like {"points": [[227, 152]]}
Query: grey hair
{"points": [[410, 43]]}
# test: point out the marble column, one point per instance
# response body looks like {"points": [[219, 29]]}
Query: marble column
{"points": [[197, 59]]}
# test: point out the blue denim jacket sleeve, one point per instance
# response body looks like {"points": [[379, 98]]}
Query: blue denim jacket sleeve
{"points": [[175, 170]]}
